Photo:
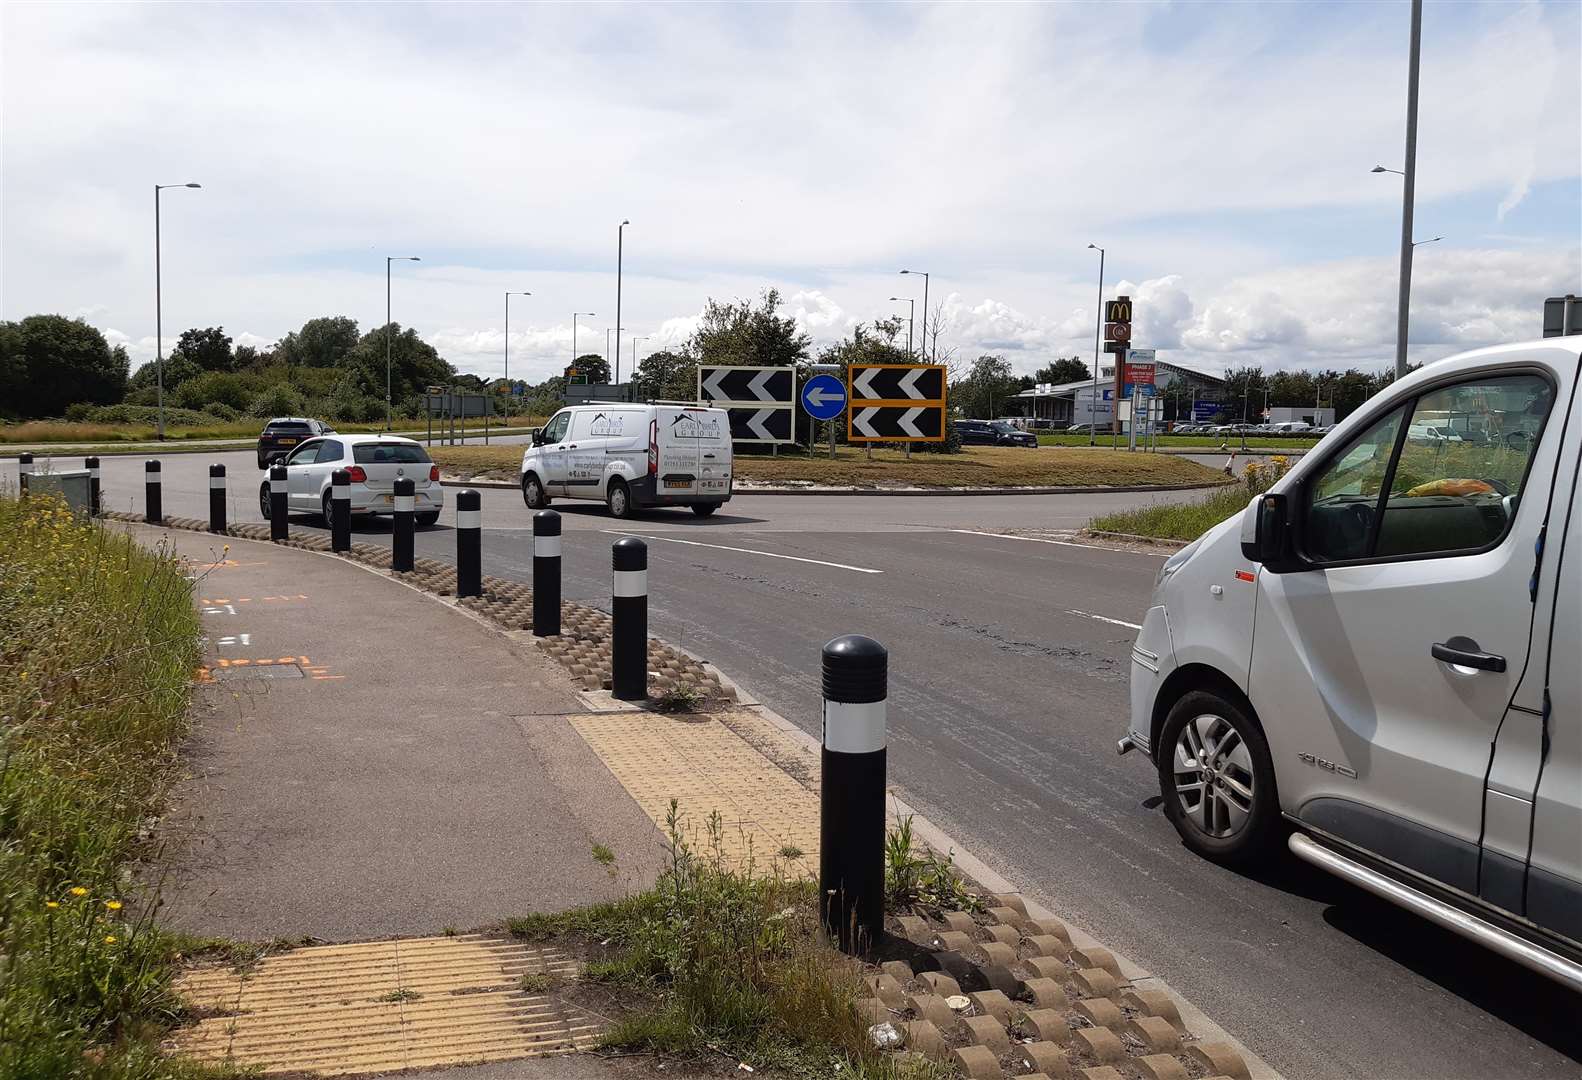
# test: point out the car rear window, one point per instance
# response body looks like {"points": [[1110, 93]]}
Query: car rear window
{"points": [[389, 454], [287, 429]]}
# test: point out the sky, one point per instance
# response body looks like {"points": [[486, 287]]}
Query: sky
{"points": [[1220, 153]]}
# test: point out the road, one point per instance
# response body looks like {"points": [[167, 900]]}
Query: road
{"points": [[1007, 692]]}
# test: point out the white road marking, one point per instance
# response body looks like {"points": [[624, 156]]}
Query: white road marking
{"points": [[1062, 543], [1104, 618], [746, 551]]}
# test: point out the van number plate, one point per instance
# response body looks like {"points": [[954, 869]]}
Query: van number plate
{"points": [[678, 483]]}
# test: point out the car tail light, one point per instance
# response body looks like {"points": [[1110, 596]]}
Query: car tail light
{"points": [[653, 448], [356, 475], [433, 473]]}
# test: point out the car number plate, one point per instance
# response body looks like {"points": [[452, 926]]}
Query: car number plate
{"points": [[287, 442]]}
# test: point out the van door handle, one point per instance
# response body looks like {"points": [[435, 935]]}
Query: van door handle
{"points": [[1467, 658], [571, 446]]}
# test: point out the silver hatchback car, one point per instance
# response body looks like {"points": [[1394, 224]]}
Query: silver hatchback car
{"points": [[374, 463]]}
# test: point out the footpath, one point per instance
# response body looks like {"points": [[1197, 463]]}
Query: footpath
{"points": [[382, 776]]}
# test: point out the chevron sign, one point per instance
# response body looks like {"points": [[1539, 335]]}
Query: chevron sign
{"points": [[896, 403], [759, 400]]}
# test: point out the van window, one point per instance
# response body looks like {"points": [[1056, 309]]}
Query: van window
{"points": [[1344, 495], [555, 430]]}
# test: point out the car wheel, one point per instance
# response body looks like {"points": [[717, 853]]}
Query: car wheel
{"points": [[533, 492], [619, 498], [1217, 778], [327, 510], [425, 520], [263, 499], [263, 463], [704, 509]]}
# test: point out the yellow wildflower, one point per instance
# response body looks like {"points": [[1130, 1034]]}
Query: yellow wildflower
{"points": [[52, 903], [113, 905], [78, 890], [109, 939]]}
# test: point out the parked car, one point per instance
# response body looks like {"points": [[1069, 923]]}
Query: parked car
{"points": [[1431, 433], [993, 433], [1380, 654], [374, 463], [283, 433], [1292, 427], [1085, 429], [631, 457]]}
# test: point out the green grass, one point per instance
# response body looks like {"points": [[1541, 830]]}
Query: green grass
{"points": [[1212, 442], [98, 642], [1177, 521]]}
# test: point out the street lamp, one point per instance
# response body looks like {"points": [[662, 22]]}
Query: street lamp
{"points": [[1408, 191], [911, 311], [508, 349], [620, 243], [388, 260], [925, 309], [574, 314], [1098, 326], [1420, 243], [635, 340], [159, 340]]}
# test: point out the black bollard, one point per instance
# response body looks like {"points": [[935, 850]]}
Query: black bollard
{"points": [[546, 574], [629, 615], [154, 509], [469, 544], [851, 792], [217, 498], [402, 529], [92, 465], [24, 473], [340, 510], [279, 527]]}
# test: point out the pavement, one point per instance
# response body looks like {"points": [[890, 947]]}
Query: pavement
{"points": [[1008, 688]]}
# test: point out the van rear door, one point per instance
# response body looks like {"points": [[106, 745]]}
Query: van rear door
{"points": [[685, 435]]}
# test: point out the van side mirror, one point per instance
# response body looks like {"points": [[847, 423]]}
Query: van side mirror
{"points": [[538, 437], [1270, 543]]}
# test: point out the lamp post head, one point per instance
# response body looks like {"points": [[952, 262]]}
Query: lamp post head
{"points": [[1378, 168], [1094, 247], [625, 221], [192, 185]]}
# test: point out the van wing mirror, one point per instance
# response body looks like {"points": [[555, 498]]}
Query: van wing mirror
{"points": [[538, 437], [1269, 524]]}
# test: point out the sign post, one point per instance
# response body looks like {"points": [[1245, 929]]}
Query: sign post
{"points": [[823, 398], [1117, 339]]}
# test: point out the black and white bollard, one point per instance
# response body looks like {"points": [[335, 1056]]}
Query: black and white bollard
{"points": [[469, 544], [402, 529], [92, 465], [217, 498], [851, 792], [154, 508], [279, 527], [546, 574], [24, 473], [629, 620], [340, 510]]}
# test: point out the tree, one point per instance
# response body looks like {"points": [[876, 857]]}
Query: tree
{"points": [[740, 333], [1244, 392], [415, 365], [1064, 369], [666, 376], [48, 362], [209, 349], [595, 367], [986, 387], [322, 342]]}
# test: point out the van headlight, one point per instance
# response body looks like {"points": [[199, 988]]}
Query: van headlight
{"points": [[1177, 561]]}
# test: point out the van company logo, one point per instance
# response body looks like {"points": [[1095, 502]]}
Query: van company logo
{"points": [[692, 426], [605, 424]]}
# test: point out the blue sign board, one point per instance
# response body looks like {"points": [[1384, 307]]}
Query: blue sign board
{"points": [[824, 397], [1206, 410], [1149, 390]]}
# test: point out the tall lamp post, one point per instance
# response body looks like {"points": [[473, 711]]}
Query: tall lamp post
{"points": [[911, 312], [159, 338], [388, 260], [574, 314], [508, 350], [1408, 191], [620, 245], [1098, 327], [924, 335]]}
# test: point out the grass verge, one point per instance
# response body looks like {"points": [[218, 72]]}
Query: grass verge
{"points": [[976, 467], [1190, 520], [727, 962], [98, 642]]}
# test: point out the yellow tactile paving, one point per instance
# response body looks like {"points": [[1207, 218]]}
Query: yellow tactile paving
{"points": [[379, 1006], [706, 767]]}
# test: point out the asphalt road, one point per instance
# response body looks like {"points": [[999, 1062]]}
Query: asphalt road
{"points": [[1007, 692]]}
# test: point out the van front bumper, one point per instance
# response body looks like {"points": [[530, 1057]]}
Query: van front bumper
{"points": [[1153, 659]]}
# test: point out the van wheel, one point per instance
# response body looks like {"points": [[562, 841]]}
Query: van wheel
{"points": [[619, 499], [1217, 779], [424, 521], [533, 492], [704, 509]]}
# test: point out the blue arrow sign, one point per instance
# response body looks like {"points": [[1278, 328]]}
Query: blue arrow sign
{"points": [[824, 397]]}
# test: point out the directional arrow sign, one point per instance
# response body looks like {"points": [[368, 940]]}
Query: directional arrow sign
{"points": [[823, 397], [897, 403], [758, 400]]}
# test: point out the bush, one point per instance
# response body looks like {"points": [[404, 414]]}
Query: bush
{"points": [[100, 641], [221, 411], [149, 414], [214, 387], [277, 400]]}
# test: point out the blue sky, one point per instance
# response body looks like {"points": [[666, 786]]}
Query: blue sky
{"points": [[1220, 152]]}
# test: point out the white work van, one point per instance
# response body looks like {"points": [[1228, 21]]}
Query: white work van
{"points": [[1381, 660], [631, 457]]}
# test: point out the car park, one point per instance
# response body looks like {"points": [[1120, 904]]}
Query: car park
{"points": [[284, 433], [1379, 657], [631, 456], [373, 462]]}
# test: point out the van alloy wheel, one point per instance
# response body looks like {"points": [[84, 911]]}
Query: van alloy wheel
{"points": [[1213, 775]]}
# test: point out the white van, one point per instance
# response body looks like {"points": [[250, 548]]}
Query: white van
{"points": [[631, 457], [1383, 658], [1291, 427]]}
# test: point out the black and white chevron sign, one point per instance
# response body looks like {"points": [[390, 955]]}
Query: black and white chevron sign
{"points": [[896, 403], [759, 400]]}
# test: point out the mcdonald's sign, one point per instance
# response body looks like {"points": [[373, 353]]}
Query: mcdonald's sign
{"points": [[1117, 324]]}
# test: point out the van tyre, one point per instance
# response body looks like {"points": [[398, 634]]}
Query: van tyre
{"points": [[619, 499], [1217, 779], [704, 509], [533, 493]]}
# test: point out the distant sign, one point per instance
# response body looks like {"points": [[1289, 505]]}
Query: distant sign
{"points": [[823, 397], [896, 403], [760, 401], [1562, 316]]}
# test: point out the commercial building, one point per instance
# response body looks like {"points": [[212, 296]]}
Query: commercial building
{"points": [[1063, 404]]}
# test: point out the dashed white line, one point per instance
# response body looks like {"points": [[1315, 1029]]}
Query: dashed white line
{"points": [[1104, 618], [747, 551]]}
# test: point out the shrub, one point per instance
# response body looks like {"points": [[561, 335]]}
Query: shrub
{"points": [[277, 400], [214, 387], [149, 414], [221, 411]]}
